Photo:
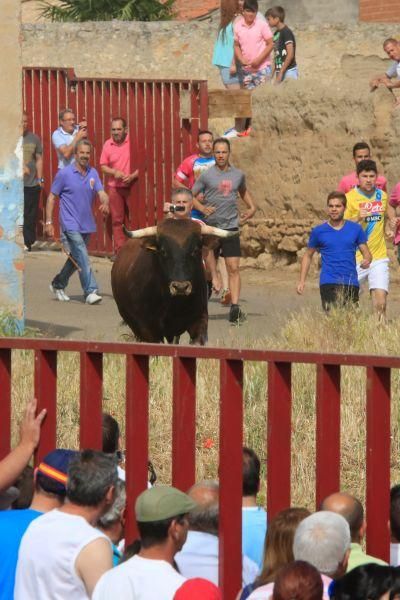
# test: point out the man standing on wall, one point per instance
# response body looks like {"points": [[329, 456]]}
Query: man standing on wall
{"points": [[220, 186], [76, 186], [33, 181], [115, 162], [390, 79]]}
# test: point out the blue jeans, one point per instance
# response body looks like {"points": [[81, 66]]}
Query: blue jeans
{"points": [[78, 246], [292, 73]]}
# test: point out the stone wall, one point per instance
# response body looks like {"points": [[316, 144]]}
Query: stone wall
{"points": [[303, 131]]}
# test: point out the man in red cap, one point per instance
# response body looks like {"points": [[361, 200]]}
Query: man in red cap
{"points": [[198, 589], [50, 489]]}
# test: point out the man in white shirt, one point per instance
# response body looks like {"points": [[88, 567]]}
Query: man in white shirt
{"points": [[200, 554], [62, 554], [66, 136], [161, 515]]}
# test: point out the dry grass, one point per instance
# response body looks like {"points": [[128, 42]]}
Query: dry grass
{"points": [[352, 332]]}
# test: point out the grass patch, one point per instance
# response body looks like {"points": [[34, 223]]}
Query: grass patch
{"points": [[342, 331]]}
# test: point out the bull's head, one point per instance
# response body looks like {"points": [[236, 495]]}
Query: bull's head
{"points": [[178, 244]]}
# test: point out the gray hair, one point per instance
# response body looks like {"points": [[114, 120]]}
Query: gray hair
{"points": [[83, 142], [114, 514], [205, 517], [322, 539], [63, 112], [181, 192], [90, 476]]}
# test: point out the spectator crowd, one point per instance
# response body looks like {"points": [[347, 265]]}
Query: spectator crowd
{"points": [[65, 538]]}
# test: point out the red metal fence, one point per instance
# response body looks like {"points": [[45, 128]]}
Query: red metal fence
{"points": [[279, 425], [163, 116]]}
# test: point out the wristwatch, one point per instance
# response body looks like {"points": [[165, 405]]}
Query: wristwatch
{"points": [[40, 180]]}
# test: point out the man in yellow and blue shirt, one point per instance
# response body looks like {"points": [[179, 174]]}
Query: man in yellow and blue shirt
{"points": [[368, 206]]}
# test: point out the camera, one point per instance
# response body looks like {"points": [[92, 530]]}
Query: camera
{"points": [[173, 208]]}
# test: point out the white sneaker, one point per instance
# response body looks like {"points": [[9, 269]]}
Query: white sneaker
{"points": [[60, 295], [231, 133], [93, 298]]}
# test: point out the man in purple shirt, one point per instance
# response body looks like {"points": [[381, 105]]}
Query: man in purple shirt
{"points": [[76, 186]]}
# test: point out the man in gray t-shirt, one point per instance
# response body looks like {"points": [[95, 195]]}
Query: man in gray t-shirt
{"points": [[390, 79], [221, 186], [33, 181]]}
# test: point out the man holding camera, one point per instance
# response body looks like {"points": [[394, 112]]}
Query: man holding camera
{"points": [[180, 206], [66, 136]]}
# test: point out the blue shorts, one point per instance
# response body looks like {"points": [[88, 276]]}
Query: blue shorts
{"points": [[252, 79], [291, 74], [227, 78]]}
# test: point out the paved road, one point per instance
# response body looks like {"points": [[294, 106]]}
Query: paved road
{"points": [[263, 297], [267, 298]]}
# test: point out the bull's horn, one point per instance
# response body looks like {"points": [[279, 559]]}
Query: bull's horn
{"points": [[140, 233], [221, 233]]}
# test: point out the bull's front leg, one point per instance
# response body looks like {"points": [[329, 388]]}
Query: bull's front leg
{"points": [[198, 332]]}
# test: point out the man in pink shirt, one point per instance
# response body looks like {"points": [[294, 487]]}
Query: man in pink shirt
{"points": [[361, 151], [394, 201], [253, 47], [115, 162]]}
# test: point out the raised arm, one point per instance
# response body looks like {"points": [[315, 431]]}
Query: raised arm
{"points": [[14, 463]]}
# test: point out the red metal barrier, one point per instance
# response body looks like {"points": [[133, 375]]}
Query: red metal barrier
{"points": [[160, 136], [378, 370]]}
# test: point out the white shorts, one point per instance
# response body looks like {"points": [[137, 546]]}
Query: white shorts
{"points": [[377, 274]]}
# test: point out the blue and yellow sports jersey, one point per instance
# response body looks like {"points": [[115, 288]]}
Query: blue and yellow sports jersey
{"points": [[374, 223]]}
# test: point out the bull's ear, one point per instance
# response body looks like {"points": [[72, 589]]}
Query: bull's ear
{"points": [[150, 243], [210, 241]]}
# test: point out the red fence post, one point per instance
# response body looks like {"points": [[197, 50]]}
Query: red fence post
{"points": [[184, 423], [230, 477], [46, 393], [91, 396], [137, 434], [5, 401], [327, 432], [279, 436], [378, 461], [203, 100]]}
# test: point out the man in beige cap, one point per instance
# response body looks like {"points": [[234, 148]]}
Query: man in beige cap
{"points": [[161, 515]]}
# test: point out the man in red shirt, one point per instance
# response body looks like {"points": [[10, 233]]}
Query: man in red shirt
{"points": [[115, 162], [361, 151]]}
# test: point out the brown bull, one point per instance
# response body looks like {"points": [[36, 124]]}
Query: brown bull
{"points": [[159, 284]]}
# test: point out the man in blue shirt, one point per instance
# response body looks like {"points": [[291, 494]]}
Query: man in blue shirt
{"points": [[76, 186], [254, 517], [50, 490], [337, 240]]}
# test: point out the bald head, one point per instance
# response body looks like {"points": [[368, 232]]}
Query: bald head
{"points": [[350, 508], [205, 516]]}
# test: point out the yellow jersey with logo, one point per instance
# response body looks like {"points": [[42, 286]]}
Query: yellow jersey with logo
{"points": [[374, 223]]}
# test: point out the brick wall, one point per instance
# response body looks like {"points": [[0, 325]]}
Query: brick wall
{"points": [[384, 11], [193, 9]]}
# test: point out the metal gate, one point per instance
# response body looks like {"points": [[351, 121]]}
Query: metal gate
{"points": [[163, 116]]}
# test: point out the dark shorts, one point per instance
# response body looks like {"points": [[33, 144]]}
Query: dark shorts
{"points": [[338, 295], [230, 247]]}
